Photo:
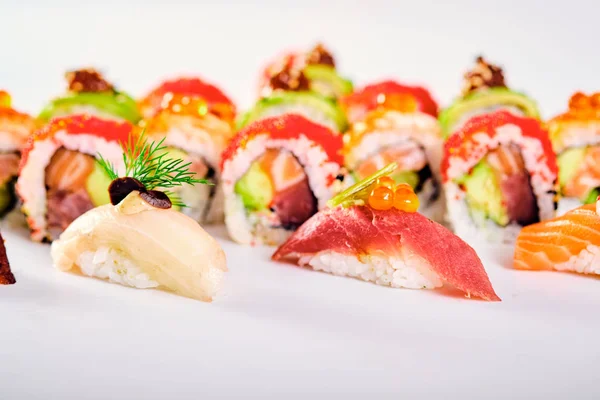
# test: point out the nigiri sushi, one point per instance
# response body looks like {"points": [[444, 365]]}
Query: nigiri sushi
{"points": [[195, 118], [396, 123], [138, 240], [15, 128], [567, 243], [59, 178], [499, 174], [485, 91], [89, 93], [372, 232], [276, 173], [6, 276], [314, 70], [575, 137]]}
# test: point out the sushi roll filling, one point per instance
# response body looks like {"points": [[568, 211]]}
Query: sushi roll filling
{"points": [[9, 168], [499, 188], [73, 186], [579, 174], [276, 189], [413, 168]]}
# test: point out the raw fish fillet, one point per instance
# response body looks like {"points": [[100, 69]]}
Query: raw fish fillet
{"points": [[360, 230]]}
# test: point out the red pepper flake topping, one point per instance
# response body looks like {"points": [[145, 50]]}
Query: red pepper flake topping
{"points": [[289, 126], [461, 143], [484, 75], [320, 55], [87, 80]]}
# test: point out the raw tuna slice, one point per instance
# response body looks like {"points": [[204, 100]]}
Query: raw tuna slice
{"points": [[390, 247]]}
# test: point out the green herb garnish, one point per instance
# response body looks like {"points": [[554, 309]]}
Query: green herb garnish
{"points": [[148, 164], [356, 194]]}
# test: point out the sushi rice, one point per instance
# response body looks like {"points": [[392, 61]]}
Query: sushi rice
{"points": [[111, 264], [406, 271]]}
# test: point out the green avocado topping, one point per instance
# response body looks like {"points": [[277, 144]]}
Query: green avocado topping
{"points": [[312, 105], [117, 104], [325, 80], [493, 97]]}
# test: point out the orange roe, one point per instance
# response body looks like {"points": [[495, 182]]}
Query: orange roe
{"points": [[386, 194], [403, 102], [406, 200], [386, 181], [381, 198]]}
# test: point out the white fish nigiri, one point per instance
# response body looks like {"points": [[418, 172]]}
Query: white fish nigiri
{"points": [[138, 245]]}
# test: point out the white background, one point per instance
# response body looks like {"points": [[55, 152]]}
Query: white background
{"points": [[278, 331]]}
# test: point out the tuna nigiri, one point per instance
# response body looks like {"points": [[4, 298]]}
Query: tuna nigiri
{"points": [[372, 232], [567, 243]]}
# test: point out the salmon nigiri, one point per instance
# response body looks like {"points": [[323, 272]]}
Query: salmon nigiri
{"points": [[567, 243]]}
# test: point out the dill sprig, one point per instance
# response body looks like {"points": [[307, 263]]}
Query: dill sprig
{"points": [[149, 163]]}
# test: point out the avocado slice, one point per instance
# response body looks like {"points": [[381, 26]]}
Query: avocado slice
{"points": [[312, 105], [326, 81], [592, 196], [480, 100], [568, 164], [7, 197], [255, 188], [410, 177], [117, 104], [483, 194], [97, 186]]}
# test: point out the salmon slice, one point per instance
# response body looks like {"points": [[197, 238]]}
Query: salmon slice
{"points": [[408, 155], [568, 243], [68, 170], [587, 177], [283, 168], [517, 194]]}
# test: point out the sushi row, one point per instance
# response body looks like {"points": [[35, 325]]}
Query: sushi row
{"points": [[487, 164]]}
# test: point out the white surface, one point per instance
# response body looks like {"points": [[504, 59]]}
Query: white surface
{"points": [[279, 331]]}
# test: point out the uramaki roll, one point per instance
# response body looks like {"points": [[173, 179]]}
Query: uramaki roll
{"points": [[59, 178], [277, 173], [89, 93], [15, 128], [313, 70], [499, 174], [396, 123], [195, 119], [485, 91], [575, 138]]}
